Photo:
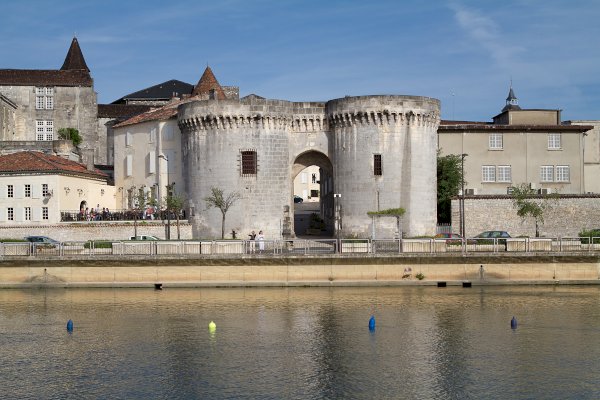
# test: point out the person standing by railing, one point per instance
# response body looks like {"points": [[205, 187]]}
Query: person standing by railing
{"points": [[261, 241], [252, 243]]}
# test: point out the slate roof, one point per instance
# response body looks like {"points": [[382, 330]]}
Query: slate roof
{"points": [[74, 72], [161, 91], [39, 77], [207, 83], [35, 162], [121, 110]]}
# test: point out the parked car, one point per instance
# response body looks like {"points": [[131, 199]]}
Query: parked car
{"points": [[501, 237], [143, 237], [298, 199], [450, 237], [493, 234], [43, 241], [453, 238]]}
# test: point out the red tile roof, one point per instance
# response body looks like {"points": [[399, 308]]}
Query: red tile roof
{"points": [[35, 162], [207, 83], [167, 111]]}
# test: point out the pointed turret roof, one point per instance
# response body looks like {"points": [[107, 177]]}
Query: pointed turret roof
{"points": [[74, 59], [208, 83], [512, 103]]}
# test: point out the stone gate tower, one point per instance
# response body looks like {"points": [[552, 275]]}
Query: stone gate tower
{"points": [[380, 152]]}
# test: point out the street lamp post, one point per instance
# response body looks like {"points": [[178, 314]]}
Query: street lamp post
{"points": [[336, 206], [168, 194], [462, 194]]}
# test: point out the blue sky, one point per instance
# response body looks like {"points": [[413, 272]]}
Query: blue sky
{"points": [[462, 52]]}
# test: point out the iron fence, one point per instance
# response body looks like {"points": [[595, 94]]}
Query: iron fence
{"points": [[300, 247]]}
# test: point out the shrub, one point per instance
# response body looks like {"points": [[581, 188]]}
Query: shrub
{"points": [[420, 276]]}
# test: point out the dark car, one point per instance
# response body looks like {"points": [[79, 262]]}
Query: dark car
{"points": [[501, 237], [298, 199], [493, 234], [43, 241]]}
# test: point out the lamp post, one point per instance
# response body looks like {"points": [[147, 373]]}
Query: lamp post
{"points": [[462, 194], [168, 194], [338, 217]]}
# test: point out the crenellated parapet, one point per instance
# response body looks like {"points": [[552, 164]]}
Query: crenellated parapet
{"points": [[231, 122], [383, 111]]}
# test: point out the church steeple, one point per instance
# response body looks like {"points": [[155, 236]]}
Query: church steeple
{"points": [[512, 103], [74, 59], [208, 86]]}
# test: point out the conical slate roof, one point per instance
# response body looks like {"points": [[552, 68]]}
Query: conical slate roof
{"points": [[208, 83], [74, 59]]}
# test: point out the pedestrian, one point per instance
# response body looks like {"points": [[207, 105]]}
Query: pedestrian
{"points": [[252, 240], [261, 241]]}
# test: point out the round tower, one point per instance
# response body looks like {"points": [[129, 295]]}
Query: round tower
{"points": [[239, 147], [384, 150]]}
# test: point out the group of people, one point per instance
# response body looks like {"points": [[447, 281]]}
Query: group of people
{"points": [[94, 214], [260, 238]]}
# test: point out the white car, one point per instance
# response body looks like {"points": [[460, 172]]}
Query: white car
{"points": [[143, 237]]}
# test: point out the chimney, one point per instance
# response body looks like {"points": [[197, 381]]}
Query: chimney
{"points": [[89, 159]]}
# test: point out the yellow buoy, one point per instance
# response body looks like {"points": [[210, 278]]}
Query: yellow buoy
{"points": [[212, 326]]}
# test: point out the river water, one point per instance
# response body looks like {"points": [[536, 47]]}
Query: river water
{"points": [[301, 343]]}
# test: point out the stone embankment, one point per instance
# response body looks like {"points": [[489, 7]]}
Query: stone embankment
{"points": [[304, 270]]}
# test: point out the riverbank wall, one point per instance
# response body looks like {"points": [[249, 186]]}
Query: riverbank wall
{"points": [[335, 270]]}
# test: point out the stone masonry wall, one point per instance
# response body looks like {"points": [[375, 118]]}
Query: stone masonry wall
{"points": [[566, 216], [85, 231]]}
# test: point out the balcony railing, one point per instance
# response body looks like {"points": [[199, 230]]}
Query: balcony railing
{"points": [[118, 215], [197, 248]]}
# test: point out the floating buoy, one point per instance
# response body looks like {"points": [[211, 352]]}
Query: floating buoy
{"points": [[212, 326], [513, 323], [372, 323], [70, 326]]}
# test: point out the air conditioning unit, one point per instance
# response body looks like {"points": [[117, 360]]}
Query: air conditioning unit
{"points": [[543, 191], [470, 192], [510, 189]]}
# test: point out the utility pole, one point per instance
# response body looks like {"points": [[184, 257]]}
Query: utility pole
{"points": [[168, 196]]}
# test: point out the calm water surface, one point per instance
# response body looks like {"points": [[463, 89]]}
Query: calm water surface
{"points": [[301, 343]]}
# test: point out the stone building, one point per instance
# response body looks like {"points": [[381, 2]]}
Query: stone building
{"points": [[373, 153], [36, 188], [8, 111], [47, 100], [528, 146]]}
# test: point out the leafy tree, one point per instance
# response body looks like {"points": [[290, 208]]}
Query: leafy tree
{"points": [[531, 205], [139, 199], [174, 203], [218, 200], [70, 134], [449, 177]]}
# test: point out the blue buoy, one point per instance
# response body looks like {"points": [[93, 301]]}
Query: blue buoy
{"points": [[70, 326], [513, 323], [372, 323]]}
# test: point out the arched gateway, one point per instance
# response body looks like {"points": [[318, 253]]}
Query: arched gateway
{"points": [[375, 152]]}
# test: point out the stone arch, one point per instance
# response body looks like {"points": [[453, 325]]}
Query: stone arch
{"points": [[307, 159]]}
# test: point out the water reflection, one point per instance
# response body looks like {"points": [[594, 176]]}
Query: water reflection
{"points": [[301, 343]]}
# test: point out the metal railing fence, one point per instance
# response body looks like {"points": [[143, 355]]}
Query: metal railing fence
{"points": [[301, 247]]}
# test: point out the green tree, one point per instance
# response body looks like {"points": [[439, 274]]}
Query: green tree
{"points": [[138, 201], [218, 200], [531, 205], [70, 134], [449, 177], [174, 204]]}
